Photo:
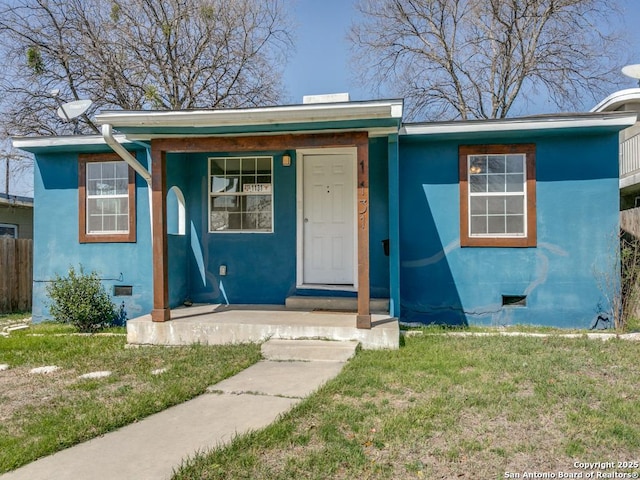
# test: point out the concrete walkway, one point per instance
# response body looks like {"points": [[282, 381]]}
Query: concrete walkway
{"points": [[152, 448]]}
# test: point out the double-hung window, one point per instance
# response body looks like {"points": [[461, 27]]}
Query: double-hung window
{"points": [[241, 194], [106, 186], [497, 195]]}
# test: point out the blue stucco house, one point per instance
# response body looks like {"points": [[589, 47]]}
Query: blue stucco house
{"points": [[492, 222]]}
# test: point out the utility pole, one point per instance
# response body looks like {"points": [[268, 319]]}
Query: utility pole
{"points": [[6, 176]]}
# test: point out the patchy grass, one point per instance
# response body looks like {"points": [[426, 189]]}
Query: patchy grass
{"points": [[41, 414], [452, 407], [7, 319]]}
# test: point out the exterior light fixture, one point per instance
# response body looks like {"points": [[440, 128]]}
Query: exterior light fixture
{"points": [[286, 160]]}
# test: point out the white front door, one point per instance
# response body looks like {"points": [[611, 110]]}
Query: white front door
{"points": [[328, 218]]}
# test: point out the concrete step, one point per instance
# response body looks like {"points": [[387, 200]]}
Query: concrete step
{"points": [[341, 304], [308, 350]]}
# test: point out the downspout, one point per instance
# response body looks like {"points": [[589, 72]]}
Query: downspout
{"points": [[107, 134]]}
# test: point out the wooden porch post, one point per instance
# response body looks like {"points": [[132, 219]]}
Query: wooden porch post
{"points": [[363, 319], [161, 311]]}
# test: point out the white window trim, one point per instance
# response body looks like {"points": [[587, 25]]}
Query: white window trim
{"points": [[210, 195], [522, 194], [106, 197]]}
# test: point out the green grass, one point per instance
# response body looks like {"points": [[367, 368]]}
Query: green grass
{"points": [[9, 318], [41, 414], [451, 407]]}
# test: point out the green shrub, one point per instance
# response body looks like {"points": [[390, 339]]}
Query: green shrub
{"points": [[81, 300]]}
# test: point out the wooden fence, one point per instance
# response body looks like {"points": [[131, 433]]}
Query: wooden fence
{"points": [[16, 274], [630, 221]]}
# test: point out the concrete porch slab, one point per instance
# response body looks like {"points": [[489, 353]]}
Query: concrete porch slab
{"points": [[222, 324]]}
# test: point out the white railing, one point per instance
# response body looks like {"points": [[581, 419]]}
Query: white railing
{"points": [[630, 155]]}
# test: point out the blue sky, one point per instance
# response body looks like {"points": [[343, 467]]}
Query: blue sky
{"points": [[321, 62]]}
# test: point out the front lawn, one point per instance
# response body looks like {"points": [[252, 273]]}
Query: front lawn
{"points": [[44, 413], [446, 407]]}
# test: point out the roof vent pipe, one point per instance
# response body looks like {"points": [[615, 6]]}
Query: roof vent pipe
{"points": [[107, 134]]}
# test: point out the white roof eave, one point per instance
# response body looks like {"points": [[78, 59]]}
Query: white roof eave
{"points": [[515, 125], [254, 116], [617, 99], [70, 141]]}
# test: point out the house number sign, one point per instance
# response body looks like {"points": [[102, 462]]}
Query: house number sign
{"points": [[256, 188]]}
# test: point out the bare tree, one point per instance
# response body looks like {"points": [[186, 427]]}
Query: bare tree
{"points": [[137, 54], [17, 170], [475, 58]]}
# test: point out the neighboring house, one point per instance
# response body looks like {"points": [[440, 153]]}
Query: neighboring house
{"points": [[486, 222], [16, 216], [626, 101]]}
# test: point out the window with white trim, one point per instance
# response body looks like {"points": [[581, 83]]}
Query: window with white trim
{"points": [[497, 187], [107, 197], [497, 193], [106, 187], [241, 194]]}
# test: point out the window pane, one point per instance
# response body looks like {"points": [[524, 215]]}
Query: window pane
{"points": [[515, 182], [122, 186], [248, 166], [8, 231], [235, 221], [264, 165], [515, 163], [515, 224], [94, 224], [496, 205], [232, 166], [219, 220], [122, 170], [496, 225], [224, 184], [122, 222], [496, 183], [264, 179], [477, 164], [478, 225], [263, 221], [260, 203], [496, 164], [225, 202], [515, 204], [217, 166], [478, 205], [478, 183]]}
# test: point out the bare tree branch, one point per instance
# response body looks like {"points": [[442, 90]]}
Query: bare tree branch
{"points": [[137, 54], [477, 58]]}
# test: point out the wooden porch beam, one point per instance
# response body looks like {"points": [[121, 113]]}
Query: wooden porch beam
{"points": [[161, 311], [259, 142], [364, 297]]}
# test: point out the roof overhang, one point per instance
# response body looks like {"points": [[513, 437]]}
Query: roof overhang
{"points": [[75, 143], [378, 117], [617, 100], [543, 124], [16, 201]]}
